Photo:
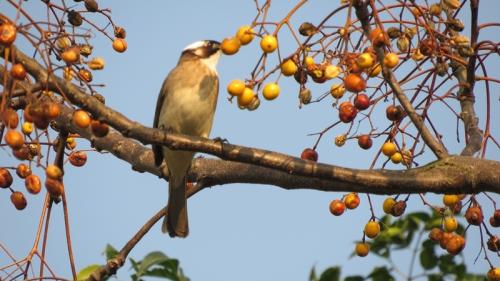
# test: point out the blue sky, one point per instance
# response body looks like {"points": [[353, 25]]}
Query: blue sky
{"points": [[237, 232]]}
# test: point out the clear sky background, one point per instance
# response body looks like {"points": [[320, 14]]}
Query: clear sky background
{"points": [[237, 232]]}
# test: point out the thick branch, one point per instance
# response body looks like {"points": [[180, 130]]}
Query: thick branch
{"points": [[450, 175], [466, 95]]}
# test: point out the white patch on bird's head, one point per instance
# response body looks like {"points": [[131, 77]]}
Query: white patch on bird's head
{"points": [[207, 51], [194, 45]]}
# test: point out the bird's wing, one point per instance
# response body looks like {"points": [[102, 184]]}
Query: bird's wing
{"points": [[157, 149]]}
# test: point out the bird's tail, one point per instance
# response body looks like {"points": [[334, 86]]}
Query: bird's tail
{"points": [[176, 220]]}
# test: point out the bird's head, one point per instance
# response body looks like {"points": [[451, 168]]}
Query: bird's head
{"points": [[208, 51]]}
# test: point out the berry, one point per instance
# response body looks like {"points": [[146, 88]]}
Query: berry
{"points": [[14, 139], [391, 60], [53, 172], [5, 178], [271, 91], [394, 113], [245, 34], [17, 198], [230, 46], [389, 148], [33, 184], [8, 34], [365, 141], [23, 170], [81, 118], [269, 43], [236, 87], [18, 72], [361, 101], [354, 83], [120, 45], [450, 224], [365, 60], [347, 112], [309, 154], [474, 215], [78, 158], [372, 229], [246, 97], [289, 68], [337, 207], [351, 201], [362, 249], [388, 204]]}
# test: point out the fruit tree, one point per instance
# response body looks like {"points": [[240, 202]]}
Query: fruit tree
{"points": [[410, 85]]}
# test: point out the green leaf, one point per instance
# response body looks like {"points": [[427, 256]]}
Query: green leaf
{"points": [[85, 273], [381, 274], [150, 260], [330, 274], [428, 258], [435, 277], [354, 278], [110, 252]]}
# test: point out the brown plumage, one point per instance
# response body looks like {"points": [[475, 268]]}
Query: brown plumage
{"points": [[186, 105]]}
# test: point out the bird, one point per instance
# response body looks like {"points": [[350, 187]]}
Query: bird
{"points": [[186, 105]]}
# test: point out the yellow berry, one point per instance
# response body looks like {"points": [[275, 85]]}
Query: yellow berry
{"points": [[246, 97], [389, 148], [27, 128], [230, 46], [245, 34], [269, 43], [288, 68], [271, 91], [450, 200], [391, 60], [396, 158], [389, 203], [450, 224], [332, 71], [236, 87], [372, 229], [337, 91]]}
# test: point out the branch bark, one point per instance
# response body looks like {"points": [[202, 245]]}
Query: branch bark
{"points": [[453, 174]]}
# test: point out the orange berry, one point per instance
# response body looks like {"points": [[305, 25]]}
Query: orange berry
{"points": [[120, 45], [337, 207], [17, 198], [372, 229], [8, 34], [18, 72], [81, 118], [352, 200], [23, 170], [362, 249], [33, 184], [5, 178], [14, 139], [230, 46]]}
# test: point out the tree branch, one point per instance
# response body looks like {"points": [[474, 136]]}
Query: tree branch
{"points": [[453, 174]]}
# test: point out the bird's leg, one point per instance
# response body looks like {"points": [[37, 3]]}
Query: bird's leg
{"points": [[220, 140]]}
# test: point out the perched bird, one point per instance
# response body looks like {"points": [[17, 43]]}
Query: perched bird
{"points": [[186, 105]]}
